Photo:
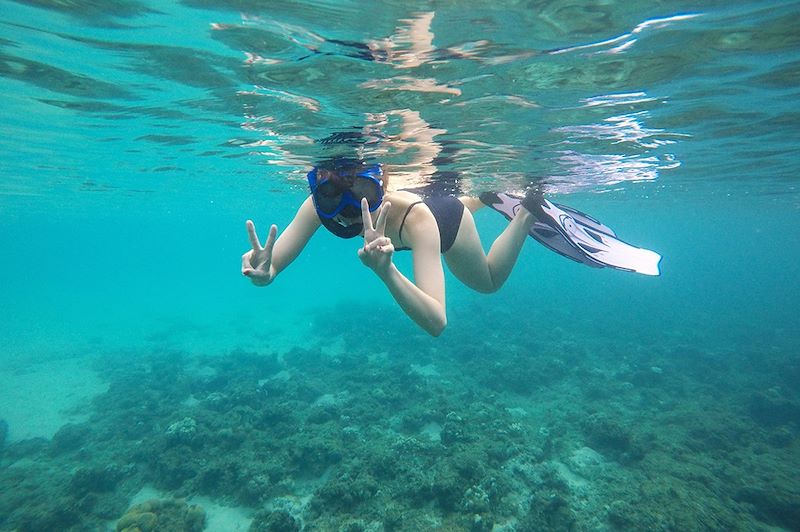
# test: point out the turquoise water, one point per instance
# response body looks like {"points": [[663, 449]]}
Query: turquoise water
{"points": [[137, 137]]}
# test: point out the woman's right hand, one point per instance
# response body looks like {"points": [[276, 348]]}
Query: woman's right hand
{"points": [[256, 262], [378, 248]]}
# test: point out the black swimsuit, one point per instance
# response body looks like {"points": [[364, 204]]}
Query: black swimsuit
{"points": [[447, 210]]}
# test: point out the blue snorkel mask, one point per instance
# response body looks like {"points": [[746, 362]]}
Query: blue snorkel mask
{"points": [[338, 193]]}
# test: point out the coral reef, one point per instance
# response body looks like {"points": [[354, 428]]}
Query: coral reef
{"points": [[530, 434], [155, 515], [274, 521]]}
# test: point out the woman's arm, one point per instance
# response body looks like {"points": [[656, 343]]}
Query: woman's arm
{"points": [[424, 300], [262, 265], [295, 237]]}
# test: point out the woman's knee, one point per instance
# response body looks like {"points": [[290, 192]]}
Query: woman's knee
{"points": [[471, 203], [476, 279]]}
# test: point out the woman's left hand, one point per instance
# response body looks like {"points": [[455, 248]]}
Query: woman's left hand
{"points": [[378, 248]]}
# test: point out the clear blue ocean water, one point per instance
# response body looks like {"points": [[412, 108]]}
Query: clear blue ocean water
{"points": [[137, 137]]}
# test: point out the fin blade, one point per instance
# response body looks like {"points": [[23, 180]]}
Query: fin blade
{"points": [[601, 246], [584, 219], [578, 236], [555, 241]]}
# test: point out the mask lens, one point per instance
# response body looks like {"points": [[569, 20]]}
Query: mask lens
{"points": [[351, 211], [363, 187], [328, 197]]}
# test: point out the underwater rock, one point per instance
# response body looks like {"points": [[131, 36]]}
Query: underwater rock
{"points": [[234, 478], [256, 489], [621, 514], [549, 510], [182, 431], [453, 430], [356, 525], [475, 500], [772, 505], [771, 409], [29, 447], [156, 515], [783, 437], [481, 523], [228, 438], [447, 487], [55, 518], [218, 402], [316, 452], [585, 461], [393, 517], [173, 467], [646, 376], [89, 480], [322, 414], [274, 521], [345, 492], [70, 437], [107, 506], [609, 436]]}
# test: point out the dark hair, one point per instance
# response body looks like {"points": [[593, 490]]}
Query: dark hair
{"points": [[342, 170], [341, 164]]}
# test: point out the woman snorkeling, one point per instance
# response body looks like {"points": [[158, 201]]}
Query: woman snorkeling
{"points": [[350, 198]]}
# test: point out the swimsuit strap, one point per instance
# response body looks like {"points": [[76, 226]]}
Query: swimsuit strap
{"points": [[403, 221]]}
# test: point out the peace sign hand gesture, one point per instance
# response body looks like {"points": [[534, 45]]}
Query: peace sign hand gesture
{"points": [[256, 262], [378, 248]]}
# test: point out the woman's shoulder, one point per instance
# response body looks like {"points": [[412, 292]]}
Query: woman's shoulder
{"points": [[402, 198], [406, 206], [412, 220]]}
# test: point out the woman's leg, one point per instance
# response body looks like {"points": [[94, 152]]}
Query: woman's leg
{"points": [[472, 203], [482, 272]]}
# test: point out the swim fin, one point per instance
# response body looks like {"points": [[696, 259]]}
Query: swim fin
{"points": [[575, 235]]}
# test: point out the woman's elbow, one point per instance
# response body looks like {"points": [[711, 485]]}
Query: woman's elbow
{"points": [[437, 326]]}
